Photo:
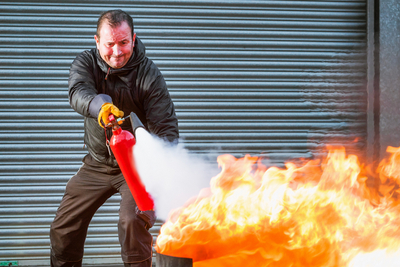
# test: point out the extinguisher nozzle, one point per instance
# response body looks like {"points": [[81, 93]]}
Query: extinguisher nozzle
{"points": [[135, 121]]}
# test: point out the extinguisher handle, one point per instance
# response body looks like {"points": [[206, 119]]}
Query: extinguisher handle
{"points": [[114, 122]]}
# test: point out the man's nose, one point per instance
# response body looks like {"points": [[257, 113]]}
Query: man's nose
{"points": [[117, 50]]}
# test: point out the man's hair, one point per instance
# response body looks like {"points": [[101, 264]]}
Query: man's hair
{"points": [[114, 18]]}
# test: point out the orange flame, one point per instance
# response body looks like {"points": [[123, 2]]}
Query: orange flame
{"points": [[319, 214]]}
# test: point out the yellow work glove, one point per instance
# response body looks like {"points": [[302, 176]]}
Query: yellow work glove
{"points": [[105, 111]]}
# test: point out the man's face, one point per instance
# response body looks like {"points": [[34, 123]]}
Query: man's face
{"points": [[115, 44]]}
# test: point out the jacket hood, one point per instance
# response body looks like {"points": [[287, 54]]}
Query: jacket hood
{"points": [[138, 55]]}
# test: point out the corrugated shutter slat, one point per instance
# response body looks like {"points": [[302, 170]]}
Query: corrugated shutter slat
{"points": [[269, 78]]}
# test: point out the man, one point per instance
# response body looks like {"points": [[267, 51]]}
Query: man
{"points": [[115, 78]]}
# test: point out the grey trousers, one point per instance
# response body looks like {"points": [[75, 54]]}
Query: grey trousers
{"points": [[85, 192]]}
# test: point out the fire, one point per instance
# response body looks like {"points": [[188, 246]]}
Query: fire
{"points": [[319, 214]]}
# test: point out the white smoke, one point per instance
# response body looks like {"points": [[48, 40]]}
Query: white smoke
{"points": [[380, 257], [170, 174]]}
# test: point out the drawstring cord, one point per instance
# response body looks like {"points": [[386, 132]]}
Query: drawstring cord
{"points": [[108, 72]]}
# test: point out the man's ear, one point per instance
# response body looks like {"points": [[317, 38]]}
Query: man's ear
{"points": [[97, 41], [133, 39]]}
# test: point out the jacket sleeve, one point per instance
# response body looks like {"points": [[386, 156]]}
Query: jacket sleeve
{"points": [[158, 106], [82, 87]]}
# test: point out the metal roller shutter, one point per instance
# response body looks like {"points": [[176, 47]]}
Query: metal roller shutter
{"points": [[276, 78]]}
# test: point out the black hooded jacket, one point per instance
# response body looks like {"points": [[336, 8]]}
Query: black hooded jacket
{"points": [[137, 87]]}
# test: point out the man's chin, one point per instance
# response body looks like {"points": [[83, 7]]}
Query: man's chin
{"points": [[116, 65]]}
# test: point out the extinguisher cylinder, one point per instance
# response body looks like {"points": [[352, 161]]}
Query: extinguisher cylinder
{"points": [[122, 143]]}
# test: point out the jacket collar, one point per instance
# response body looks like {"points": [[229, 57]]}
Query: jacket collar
{"points": [[138, 55]]}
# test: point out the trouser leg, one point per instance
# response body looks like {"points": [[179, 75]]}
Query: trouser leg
{"points": [[84, 194], [136, 241], [146, 263], [54, 262]]}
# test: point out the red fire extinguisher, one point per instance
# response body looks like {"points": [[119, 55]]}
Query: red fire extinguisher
{"points": [[121, 144]]}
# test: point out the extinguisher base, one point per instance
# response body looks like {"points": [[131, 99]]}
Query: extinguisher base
{"points": [[149, 216]]}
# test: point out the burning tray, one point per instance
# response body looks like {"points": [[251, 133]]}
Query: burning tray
{"points": [[170, 261]]}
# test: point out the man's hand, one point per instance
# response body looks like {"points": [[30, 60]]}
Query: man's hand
{"points": [[105, 111]]}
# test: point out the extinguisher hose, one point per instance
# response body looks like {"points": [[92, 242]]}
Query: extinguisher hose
{"points": [[136, 123]]}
